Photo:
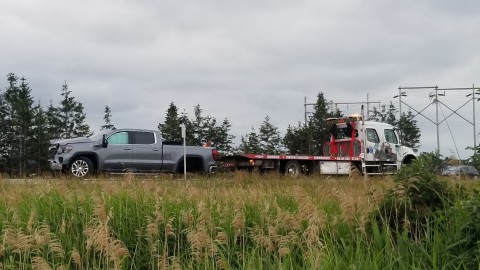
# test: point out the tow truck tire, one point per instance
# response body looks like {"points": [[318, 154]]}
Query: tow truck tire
{"points": [[355, 173], [293, 168], [81, 167]]}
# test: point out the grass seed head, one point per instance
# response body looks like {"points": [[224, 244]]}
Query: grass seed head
{"points": [[77, 259], [40, 263]]}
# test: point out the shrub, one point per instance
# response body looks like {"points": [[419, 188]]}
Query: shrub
{"points": [[416, 196], [465, 239]]}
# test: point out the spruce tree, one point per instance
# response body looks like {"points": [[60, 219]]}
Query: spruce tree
{"points": [[72, 116], [409, 132], [10, 142], [320, 133], [200, 125], [25, 120], [270, 139], [223, 140], [18, 125], [390, 115], [54, 122], [170, 129], [200, 130], [384, 114], [108, 119], [40, 139], [250, 143], [3, 133], [189, 127], [297, 139]]}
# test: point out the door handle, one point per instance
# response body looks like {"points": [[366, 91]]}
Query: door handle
{"points": [[127, 148], [155, 149]]}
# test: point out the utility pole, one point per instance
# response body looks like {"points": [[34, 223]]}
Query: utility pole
{"points": [[437, 124]]}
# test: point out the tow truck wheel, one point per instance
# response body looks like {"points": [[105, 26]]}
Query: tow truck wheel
{"points": [[81, 167], [293, 168]]}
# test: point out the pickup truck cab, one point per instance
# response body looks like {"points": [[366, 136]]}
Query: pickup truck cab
{"points": [[127, 150]]}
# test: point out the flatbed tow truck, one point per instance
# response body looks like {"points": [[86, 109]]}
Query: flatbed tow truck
{"points": [[356, 148]]}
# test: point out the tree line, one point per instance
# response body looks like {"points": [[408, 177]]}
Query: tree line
{"points": [[27, 126], [306, 138]]}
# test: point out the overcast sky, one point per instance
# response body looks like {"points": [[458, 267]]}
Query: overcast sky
{"points": [[244, 60]]}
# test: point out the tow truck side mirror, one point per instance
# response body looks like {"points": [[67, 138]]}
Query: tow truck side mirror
{"points": [[104, 141]]}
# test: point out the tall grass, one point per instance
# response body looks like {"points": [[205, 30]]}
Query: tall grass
{"points": [[231, 221]]}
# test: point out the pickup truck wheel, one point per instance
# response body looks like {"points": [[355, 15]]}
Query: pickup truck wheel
{"points": [[81, 167], [293, 168]]}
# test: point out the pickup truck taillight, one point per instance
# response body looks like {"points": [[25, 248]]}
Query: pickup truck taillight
{"points": [[215, 154]]}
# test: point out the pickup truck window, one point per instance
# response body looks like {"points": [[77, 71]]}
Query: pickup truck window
{"points": [[140, 137], [372, 135], [390, 136], [118, 138]]}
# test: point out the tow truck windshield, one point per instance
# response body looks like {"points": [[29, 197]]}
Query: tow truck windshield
{"points": [[344, 132]]}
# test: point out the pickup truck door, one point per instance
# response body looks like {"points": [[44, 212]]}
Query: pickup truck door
{"points": [[117, 156], [147, 151]]}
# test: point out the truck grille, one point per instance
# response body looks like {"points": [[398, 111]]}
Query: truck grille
{"points": [[52, 151]]}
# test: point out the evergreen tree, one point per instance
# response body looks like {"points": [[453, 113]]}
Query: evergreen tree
{"points": [[207, 131], [320, 133], [390, 117], [54, 122], [72, 116], [18, 125], [189, 127], [170, 129], [10, 143], [409, 132], [223, 139], [250, 143], [3, 133], [108, 119], [25, 121], [297, 139], [201, 130], [40, 139], [200, 125], [270, 140], [384, 115]]}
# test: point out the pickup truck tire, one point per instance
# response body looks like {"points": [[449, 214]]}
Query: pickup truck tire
{"points": [[293, 168], [81, 167]]}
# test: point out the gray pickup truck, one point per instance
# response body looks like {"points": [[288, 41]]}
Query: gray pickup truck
{"points": [[127, 150]]}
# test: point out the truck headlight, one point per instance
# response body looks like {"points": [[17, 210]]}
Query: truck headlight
{"points": [[67, 149]]}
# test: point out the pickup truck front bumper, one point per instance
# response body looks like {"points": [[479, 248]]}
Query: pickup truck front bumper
{"points": [[55, 165]]}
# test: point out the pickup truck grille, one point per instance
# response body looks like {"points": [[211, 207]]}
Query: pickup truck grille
{"points": [[52, 151]]}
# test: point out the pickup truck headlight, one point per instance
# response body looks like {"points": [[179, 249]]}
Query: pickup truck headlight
{"points": [[67, 149]]}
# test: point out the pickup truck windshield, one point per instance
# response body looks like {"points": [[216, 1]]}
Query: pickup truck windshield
{"points": [[96, 137]]}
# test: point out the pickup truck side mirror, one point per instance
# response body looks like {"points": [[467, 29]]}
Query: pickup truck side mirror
{"points": [[104, 141]]}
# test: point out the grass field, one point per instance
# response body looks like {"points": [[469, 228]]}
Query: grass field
{"points": [[230, 221]]}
